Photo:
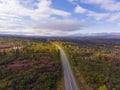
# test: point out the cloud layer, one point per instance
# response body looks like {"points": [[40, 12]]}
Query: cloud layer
{"points": [[39, 17], [110, 5], [110, 8]]}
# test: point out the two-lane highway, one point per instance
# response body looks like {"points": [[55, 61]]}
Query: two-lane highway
{"points": [[70, 83]]}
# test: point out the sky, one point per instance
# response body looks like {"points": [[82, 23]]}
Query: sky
{"points": [[59, 17]]}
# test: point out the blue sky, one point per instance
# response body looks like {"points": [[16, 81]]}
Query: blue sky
{"points": [[59, 17]]}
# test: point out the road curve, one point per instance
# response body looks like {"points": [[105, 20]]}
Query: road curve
{"points": [[70, 83]]}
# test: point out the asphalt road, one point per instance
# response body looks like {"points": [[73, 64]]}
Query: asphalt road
{"points": [[69, 80]]}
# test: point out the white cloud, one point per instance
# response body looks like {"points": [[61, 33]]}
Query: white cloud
{"points": [[110, 5], [98, 16], [94, 1], [43, 11], [16, 18], [50, 28], [113, 17], [118, 24], [61, 13], [65, 25], [79, 9]]}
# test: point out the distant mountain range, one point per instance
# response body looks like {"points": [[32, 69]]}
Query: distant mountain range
{"points": [[98, 35], [92, 35], [106, 35]]}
